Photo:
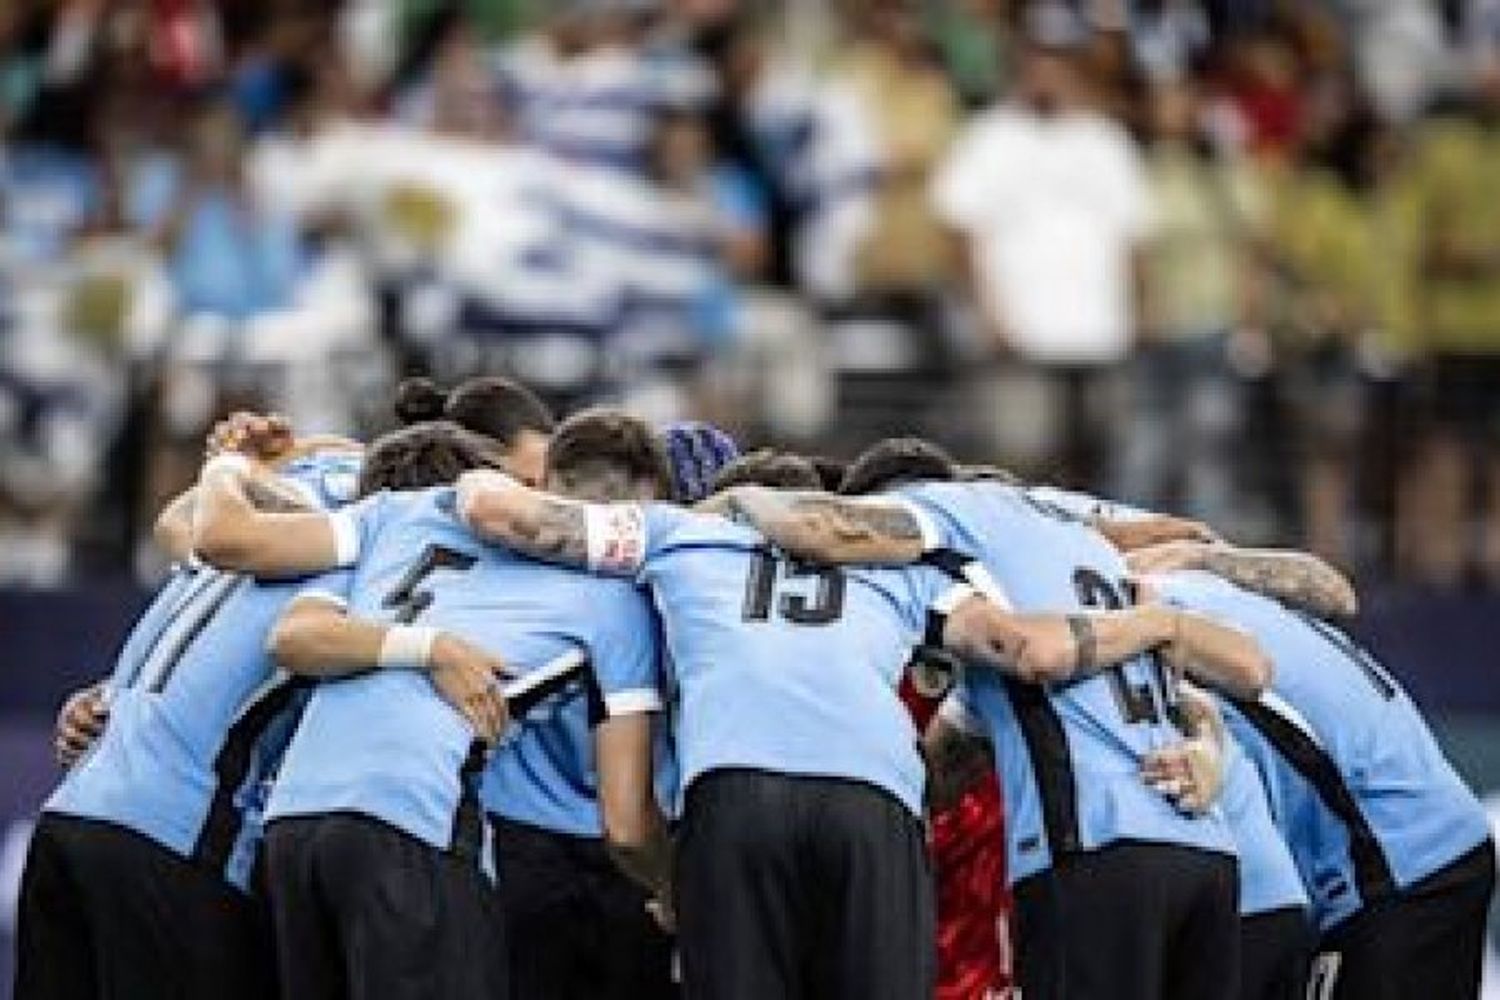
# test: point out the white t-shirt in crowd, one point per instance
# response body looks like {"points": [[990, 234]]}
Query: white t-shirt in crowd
{"points": [[1055, 205]]}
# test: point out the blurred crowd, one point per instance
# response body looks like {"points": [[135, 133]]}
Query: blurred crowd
{"points": [[1235, 258]]}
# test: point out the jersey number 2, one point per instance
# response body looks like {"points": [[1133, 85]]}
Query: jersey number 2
{"points": [[1136, 701]]}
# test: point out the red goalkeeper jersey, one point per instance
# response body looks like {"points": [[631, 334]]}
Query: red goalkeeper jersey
{"points": [[973, 904]]}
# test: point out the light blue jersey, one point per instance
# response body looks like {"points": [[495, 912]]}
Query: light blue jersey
{"points": [[385, 744], [1358, 785], [193, 702], [1070, 754], [780, 666], [544, 773], [1269, 879]]}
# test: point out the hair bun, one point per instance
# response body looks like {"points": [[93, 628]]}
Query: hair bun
{"points": [[419, 400]]}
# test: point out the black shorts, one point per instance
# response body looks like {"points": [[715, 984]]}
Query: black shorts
{"points": [[107, 912], [1275, 954], [578, 927], [362, 911], [1425, 942], [806, 888], [1130, 921]]}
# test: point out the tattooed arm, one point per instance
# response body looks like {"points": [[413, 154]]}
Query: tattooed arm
{"points": [[1296, 578], [830, 529], [1050, 648], [499, 509]]}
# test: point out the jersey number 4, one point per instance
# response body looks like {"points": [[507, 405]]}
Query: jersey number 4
{"points": [[824, 606], [406, 599]]}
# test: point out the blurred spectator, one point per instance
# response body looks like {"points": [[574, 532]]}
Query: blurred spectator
{"points": [[975, 43], [1196, 291], [1324, 249], [1459, 456], [584, 90], [914, 111], [1051, 202], [229, 256], [668, 240], [810, 140]]}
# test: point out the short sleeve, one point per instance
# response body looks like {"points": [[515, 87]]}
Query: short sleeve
{"points": [[932, 521], [928, 596], [625, 655], [354, 527], [334, 587]]}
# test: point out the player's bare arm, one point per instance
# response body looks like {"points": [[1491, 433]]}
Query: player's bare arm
{"points": [[1219, 655], [246, 521], [1053, 648], [1138, 533], [1191, 773], [318, 638], [500, 509], [827, 528], [1297, 578], [635, 831]]}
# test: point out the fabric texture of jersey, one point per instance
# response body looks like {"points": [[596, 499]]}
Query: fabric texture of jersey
{"points": [[193, 699], [384, 744], [1269, 879], [1070, 754], [784, 667], [1362, 792]]}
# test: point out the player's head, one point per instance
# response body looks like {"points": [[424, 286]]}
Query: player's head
{"points": [[895, 461], [603, 454], [696, 452], [831, 471], [504, 411], [764, 467], [434, 453]]}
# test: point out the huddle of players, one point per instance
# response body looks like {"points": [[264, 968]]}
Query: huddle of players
{"points": [[483, 682]]}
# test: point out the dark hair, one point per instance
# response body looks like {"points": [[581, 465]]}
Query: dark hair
{"points": [[434, 453], [764, 467], [596, 443], [898, 460], [831, 471], [990, 474], [496, 407]]}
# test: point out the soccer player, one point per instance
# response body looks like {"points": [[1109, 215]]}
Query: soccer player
{"points": [[1276, 936], [578, 926], [137, 875], [801, 867], [161, 822], [378, 799], [1394, 849], [1085, 830]]}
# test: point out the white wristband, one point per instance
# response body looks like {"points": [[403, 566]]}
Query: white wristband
{"points": [[345, 538], [407, 647], [228, 463]]}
